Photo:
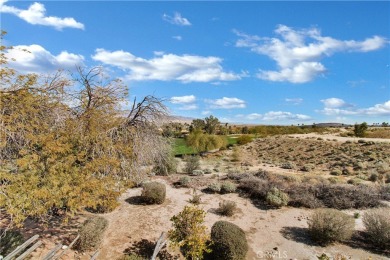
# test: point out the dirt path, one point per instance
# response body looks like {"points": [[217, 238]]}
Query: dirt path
{"points": [[267, 230]]}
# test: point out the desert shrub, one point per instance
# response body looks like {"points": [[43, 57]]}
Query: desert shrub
{"points": [[329, 225], [229, 241], [360, 130], [191, 163], [185, 181], [355, 181], [208, 171], [91, 233], [189, 232], [131, 257], [334, 180], [10, 240], [214, 187], [165, 164], [288, 165], [387, 178], [373, 177], [255, 187], [277, 198], [307, 167], [153, 193], [238, 176], [304, 196], [336, 172], [228, 187], [196, 198], [244, 139], [346, 197], [377, 224], [236, 154], [227, 208], [197, 172]]}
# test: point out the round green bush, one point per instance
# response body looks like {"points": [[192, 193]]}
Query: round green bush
{"points": [[91, 233], [228, 187], [377, 224], [330, 225], [153, 193], [185, 181], [277, 198], [229, 241], [214, 187]]}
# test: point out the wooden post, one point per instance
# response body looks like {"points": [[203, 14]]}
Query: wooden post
{"points": [[160, 244], [29, 251], [70, 245], [52, 252], [20, 248]]}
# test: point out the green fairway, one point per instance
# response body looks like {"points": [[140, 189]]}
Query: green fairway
{"points": [[180, 147]]}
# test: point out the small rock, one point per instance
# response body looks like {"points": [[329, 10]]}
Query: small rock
{"points": [[64, 247]]}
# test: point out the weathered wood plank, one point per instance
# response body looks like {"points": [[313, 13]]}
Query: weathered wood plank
{"points": [[29, 251], [20, 248]]}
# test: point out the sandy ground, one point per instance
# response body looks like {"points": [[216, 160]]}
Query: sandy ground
{"points": [[339, 138], [281, 233], [267, 230]]}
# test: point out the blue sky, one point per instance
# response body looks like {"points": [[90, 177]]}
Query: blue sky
{"points": [[244, 62]]}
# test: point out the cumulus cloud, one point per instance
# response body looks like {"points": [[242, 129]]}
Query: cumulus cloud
{"points": [[36, 59], [183, 99], [167, 67], [176, 19], [185, 102], [298, 53], [36, 15], [275, 116], [281, 115], [335, 103], [294, 101], [225, 103], [338, 107]]}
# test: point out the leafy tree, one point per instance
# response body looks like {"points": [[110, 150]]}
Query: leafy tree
{"points": [[197, 124], [211, 124], [189, 232], [360, 130], [245, 130], [65, 144], [204, 142]]}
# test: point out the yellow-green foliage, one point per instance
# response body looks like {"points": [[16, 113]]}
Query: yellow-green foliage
{"points": [[54, 157], [189, 232], [205, 142]]}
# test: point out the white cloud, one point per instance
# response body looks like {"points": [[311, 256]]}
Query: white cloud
{"points": [[206, 112], [335, 103], [36, 15], [177, 37], [254, 116], [35, 59], [225, 103], [167, 67], [294, 101], [340, 109], [183, 99], [298, 52], [176, 19], [278, 116], [186, 102]]}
